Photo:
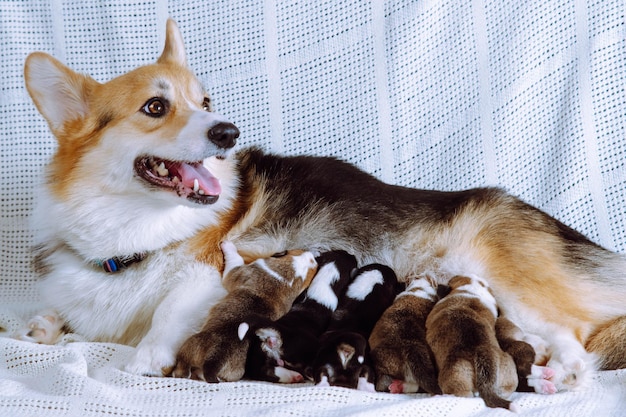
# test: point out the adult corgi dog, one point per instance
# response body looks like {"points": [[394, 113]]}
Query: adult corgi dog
{"points": [[145, 182]]}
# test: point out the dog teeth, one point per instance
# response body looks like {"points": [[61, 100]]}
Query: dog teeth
{"points": [[201, 192], [196, 185], [161, 170]]}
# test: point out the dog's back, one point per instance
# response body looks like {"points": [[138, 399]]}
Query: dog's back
{"points": [[461, 332]]}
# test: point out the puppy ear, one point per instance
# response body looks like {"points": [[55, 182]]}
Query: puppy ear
{"points": [[174, 50], [242, 330], [59, 93]]}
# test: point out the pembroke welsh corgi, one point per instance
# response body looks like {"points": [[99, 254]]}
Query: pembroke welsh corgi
{"points": [[144, 185], [263, 289]]}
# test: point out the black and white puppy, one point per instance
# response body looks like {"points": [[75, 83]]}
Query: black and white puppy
{"points": [[343, 356], [281, 350]]}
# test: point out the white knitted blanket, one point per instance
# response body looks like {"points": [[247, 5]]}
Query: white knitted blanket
{"points": [[447, 94]]}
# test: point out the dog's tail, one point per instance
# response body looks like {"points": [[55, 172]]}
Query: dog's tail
{"points": [[422, 365], [486, 366]]}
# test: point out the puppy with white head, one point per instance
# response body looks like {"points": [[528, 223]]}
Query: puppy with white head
{"points": [[461, 333], [343, 355], [265, 288], [402, 358], [282, 350]]}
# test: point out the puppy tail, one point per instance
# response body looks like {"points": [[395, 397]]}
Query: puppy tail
{"points": [[242, 330], [422, 365], [487, 380]]}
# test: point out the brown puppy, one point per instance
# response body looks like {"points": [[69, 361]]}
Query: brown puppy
{"points": [[402, 359], [526, 351], [265, 288], [461, 332]]}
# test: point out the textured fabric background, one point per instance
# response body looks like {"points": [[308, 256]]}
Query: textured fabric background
{"points": [[446, 94]]}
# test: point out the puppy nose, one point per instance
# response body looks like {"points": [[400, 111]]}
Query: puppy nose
{"points": [[224, 135]]}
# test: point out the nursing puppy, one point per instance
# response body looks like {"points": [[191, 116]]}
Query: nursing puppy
{"points": [[144, 182], [526, 351], [461, 333], [282, 350], [265, 288], [343, 355], [401, 356]]}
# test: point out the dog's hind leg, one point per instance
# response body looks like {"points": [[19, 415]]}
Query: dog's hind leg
{"points": [[457, 378], [45, 328], [609, 344]]}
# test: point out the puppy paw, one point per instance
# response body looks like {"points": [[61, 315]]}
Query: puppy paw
{"points": [[287, 376], [151, 360], [364, 385], [45, 329], [539, 380], [323, 382], [205, 357], [228, 248], [396, 387]]}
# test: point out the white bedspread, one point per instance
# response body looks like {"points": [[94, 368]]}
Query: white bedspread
{"points": [[448, 94], [84, 379]]}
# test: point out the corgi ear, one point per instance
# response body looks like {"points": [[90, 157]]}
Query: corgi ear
{"points": [[174, 50], [59, 93]]}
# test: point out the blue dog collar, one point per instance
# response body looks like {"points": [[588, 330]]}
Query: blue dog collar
{"points": [[117, 263]]}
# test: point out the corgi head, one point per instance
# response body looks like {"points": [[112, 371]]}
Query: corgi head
{"points": [[152, 129], [137, 156]]}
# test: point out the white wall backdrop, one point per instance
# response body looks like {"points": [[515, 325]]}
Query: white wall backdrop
{"points": [[433, 94]]}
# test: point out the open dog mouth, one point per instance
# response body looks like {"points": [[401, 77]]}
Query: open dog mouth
{"points": [[188, 179]]}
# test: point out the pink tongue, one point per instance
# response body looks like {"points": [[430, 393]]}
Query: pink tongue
{"points": [[206, 181]]}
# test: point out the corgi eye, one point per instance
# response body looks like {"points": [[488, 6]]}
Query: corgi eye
{"points": [[206, 104], [155, 107]]}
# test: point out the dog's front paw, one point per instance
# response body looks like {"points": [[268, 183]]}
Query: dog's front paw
{"points": [[45, 328], [151, 360]]}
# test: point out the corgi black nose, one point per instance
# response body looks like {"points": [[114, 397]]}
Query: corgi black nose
{"points": [[224, 135]]}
